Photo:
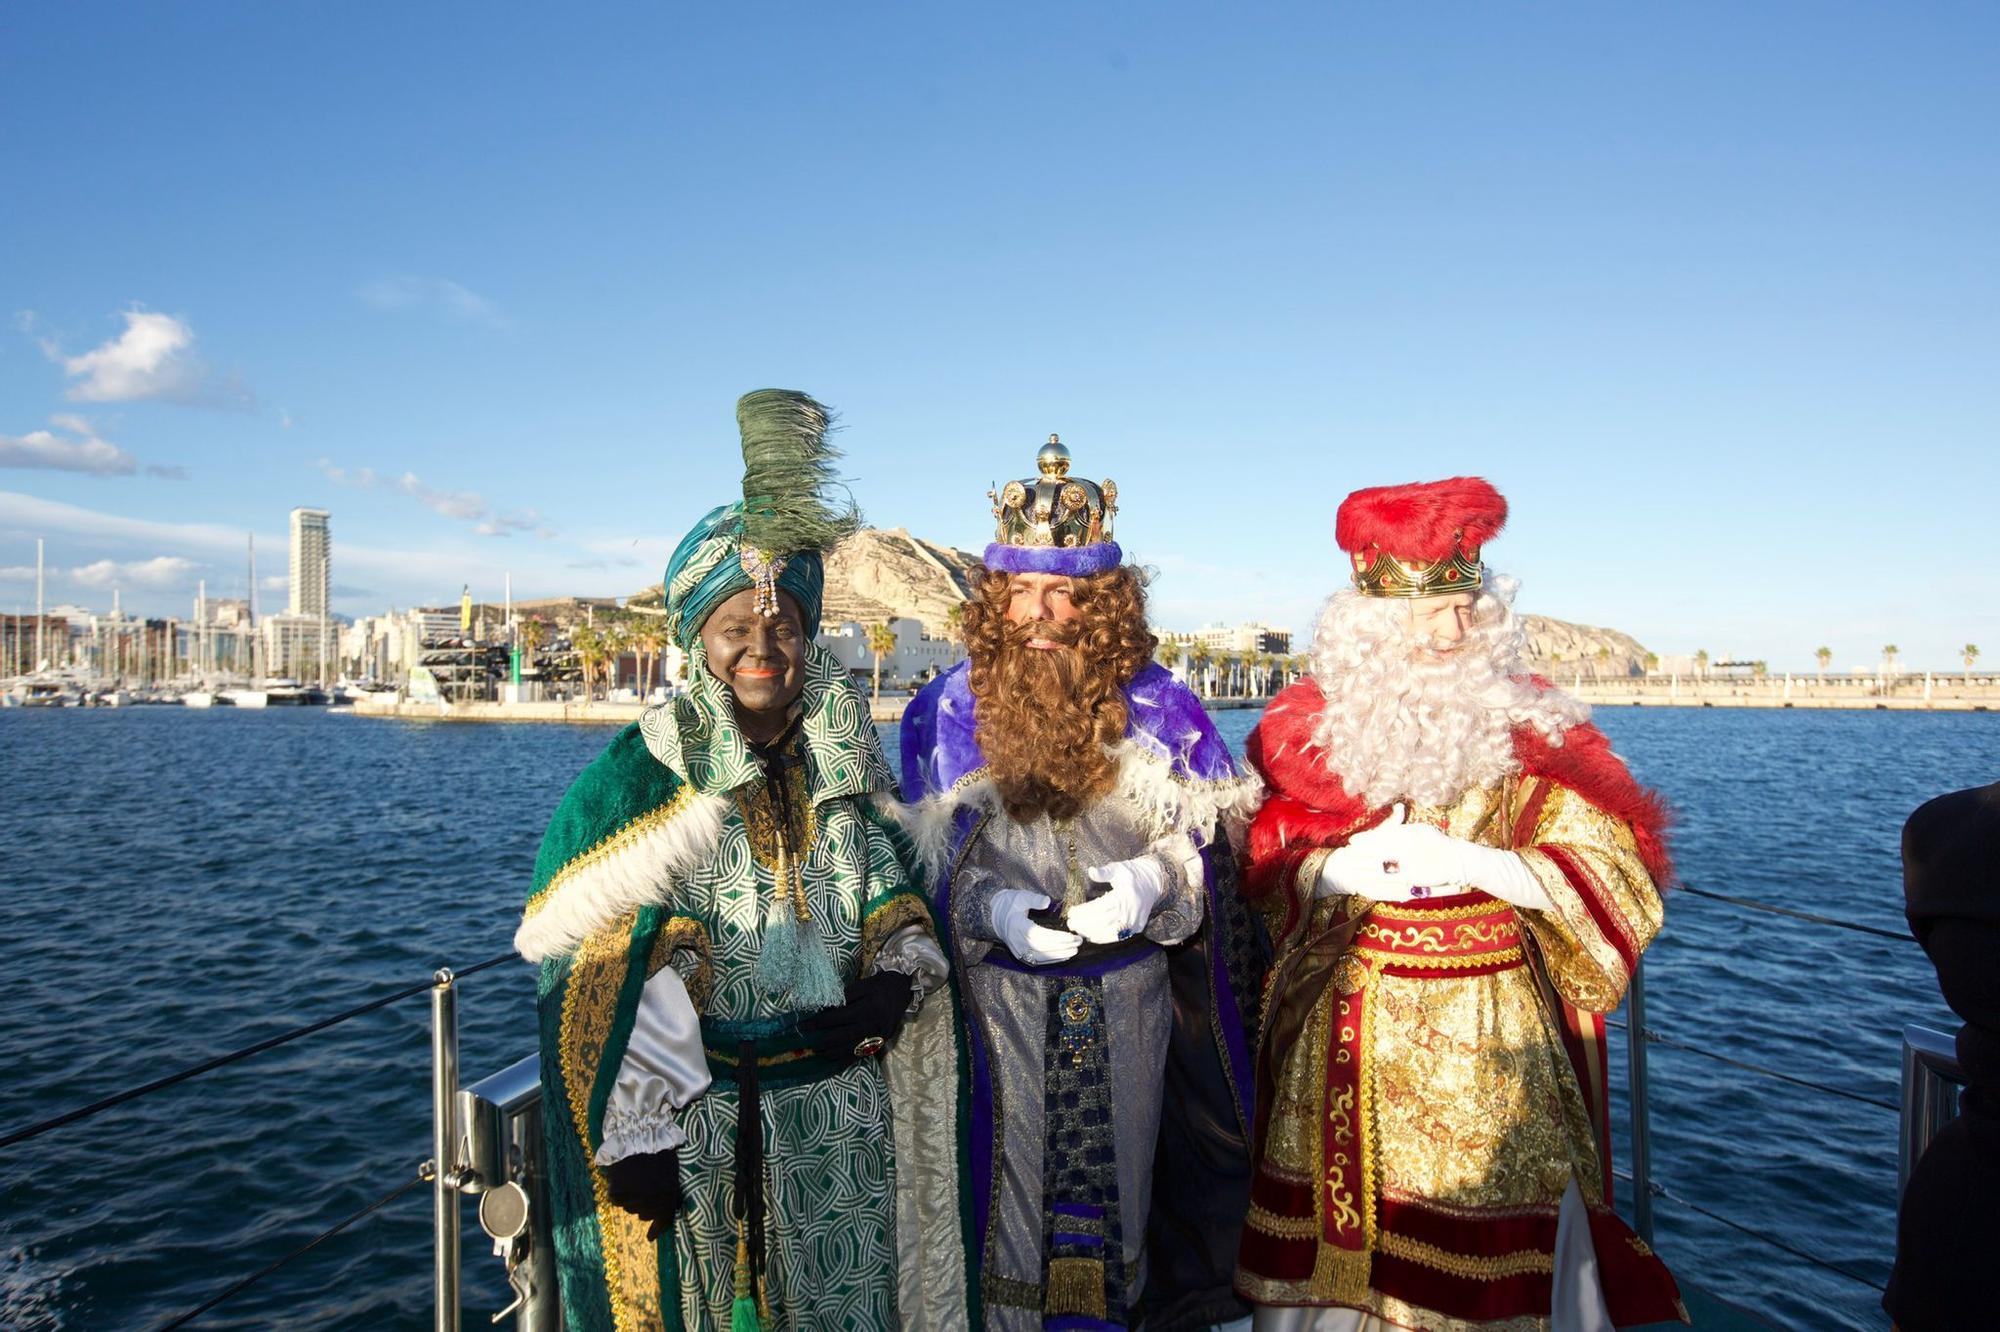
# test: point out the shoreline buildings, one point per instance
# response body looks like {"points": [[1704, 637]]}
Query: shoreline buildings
{"points": [[298, 644]]}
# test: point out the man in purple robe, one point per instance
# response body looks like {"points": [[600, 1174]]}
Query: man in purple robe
{"points": [[1073, 799]]}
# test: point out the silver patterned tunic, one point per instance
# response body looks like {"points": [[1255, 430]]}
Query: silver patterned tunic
{"points": [[1078, 1054]]}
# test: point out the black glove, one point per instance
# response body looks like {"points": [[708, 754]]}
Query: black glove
{"points": [[648, 1186], [874, 1012]]}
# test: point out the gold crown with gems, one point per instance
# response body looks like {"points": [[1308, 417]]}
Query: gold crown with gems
{"points": [[1054, 509]]}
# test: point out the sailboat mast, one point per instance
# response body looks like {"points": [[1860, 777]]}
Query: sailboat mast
{"points": [[41, 616], [251, 609]]}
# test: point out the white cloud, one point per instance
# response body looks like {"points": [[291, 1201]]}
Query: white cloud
{"points": [[465, 506], [153, 359], [162, 571], [401, 576], [76, 449], [362, 478], [412, 293]]}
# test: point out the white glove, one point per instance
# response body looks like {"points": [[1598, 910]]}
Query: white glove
{"points": [[1124, 909], [1400, 861], [1034, 944]]}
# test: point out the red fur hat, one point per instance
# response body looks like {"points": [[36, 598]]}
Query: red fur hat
{"points": [[1426, 521]]}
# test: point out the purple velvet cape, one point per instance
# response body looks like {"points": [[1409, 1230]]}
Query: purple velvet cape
{"points": [[939, 747]]}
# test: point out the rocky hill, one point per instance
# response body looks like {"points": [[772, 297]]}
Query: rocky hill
{"points": [[880, 574], [1560, 650]]}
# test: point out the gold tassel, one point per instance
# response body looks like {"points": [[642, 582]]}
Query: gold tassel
{"points": [[1076, 1286], [792, 881], [744, 1315]]}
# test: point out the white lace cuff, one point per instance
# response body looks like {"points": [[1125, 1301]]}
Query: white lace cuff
{"points": [[630, 1133]]}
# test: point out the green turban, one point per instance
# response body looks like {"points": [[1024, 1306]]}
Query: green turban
{"points": [[772, 539], [708, 568]]}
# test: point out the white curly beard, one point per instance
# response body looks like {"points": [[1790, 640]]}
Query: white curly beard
{"points": [[1400, 726]]}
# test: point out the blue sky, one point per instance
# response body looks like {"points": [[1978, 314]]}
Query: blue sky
{"points": [[1711, 291]]}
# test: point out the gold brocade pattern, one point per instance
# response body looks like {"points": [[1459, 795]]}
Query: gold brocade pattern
{"points": [[686, 933], [1475, 1102], [1519, 1263], [760, 816], [878, 925], [1584, 964], [590, 1001], [1465, 1099]]}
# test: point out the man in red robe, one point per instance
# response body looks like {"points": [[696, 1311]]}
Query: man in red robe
{"points": [[1459, 876]]}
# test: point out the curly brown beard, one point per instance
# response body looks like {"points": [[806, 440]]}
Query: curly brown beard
{"points": [[1048, 719]]}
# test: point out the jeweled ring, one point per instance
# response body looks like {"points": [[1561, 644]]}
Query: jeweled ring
{"points": [[1418, 890], [869, 1045], [1392, 867]]}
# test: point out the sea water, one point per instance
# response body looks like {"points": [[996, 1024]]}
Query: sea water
{"points": [[176, 884]]}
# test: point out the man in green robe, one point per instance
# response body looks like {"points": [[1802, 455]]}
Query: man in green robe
{"points": [[750, 1052]]}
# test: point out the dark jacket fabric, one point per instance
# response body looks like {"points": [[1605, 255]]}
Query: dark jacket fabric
{"points": [[1948, 1228]]}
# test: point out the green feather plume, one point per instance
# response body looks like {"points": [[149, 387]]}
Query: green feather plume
{"points": [[788, 474]]}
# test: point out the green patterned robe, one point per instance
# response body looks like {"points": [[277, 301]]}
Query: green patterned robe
{"points": [[662, 854]]}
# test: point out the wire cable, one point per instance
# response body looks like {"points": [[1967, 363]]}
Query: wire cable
{"points": [[1656, 1038], [1659, 1038], [1754, 905], [299, 1252], [1661, 1191], [208, 1066]]}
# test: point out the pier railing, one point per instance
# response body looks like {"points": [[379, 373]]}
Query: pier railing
{"points": [[486, 1138], [1931, 1077]]}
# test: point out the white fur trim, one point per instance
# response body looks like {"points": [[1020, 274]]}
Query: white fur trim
{"points": [[1171, 803], [927, 822], [1165, 802], [638, 873]]}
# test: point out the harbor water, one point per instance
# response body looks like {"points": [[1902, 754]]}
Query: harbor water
{"points": [[175, 884]]}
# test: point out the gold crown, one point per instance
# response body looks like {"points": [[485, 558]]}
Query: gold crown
{"points": [[1054, 509], [1386, 576]]}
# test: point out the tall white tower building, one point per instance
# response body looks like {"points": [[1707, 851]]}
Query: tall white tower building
{"points": [[312, 562]]}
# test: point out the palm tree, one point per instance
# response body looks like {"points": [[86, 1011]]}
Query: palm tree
{"points": [[587, 642], [1652, 662], [1603, 661], [1969, 654], [1701, 662], [529, 635], [881, 642], [651, 638], [617, 641], [1889, 654], [1824, 656], [1198, 660], [954, 622], [532, 633]]}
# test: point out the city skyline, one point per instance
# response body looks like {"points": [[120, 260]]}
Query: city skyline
{"points": [[1711, 298]]}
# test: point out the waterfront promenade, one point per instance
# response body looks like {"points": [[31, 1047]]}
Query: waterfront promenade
{"points": [[1902, 693], [1909, 693], [573, 712]]}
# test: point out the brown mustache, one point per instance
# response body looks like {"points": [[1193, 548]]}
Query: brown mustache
{"points": [[1065, 632]]}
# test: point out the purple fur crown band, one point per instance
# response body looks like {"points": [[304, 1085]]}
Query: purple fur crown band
{"points": [[1069, 561]]}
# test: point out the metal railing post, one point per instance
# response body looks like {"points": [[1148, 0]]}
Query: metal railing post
{"points": [[444, 1146], [1931, 1081], [1635, 1082]]}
